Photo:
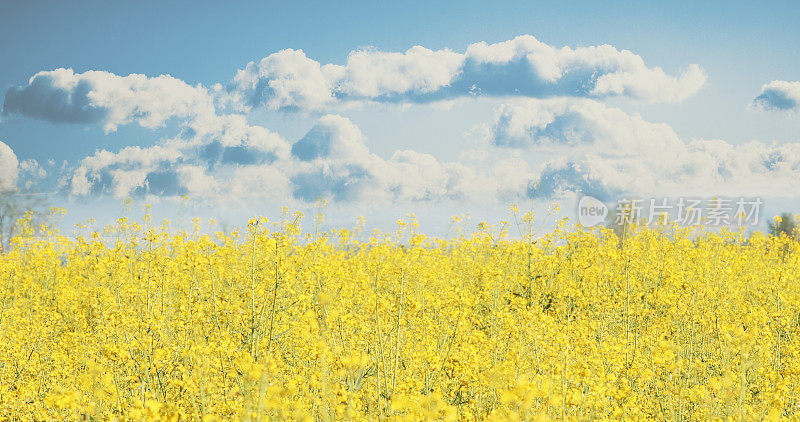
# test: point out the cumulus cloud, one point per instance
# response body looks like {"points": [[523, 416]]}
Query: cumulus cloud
{"points": [[523, 66], [286, 80], [605, 152], [63, 96], [121, 173], [527, 67], [335, 163], [331, 161], [333, 138], [186, 164], [9, 168], [374, 74], [779, 95], [414, 175], [577, 124]]}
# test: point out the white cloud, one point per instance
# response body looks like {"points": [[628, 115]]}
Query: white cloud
{"points": [[420, 177], [333, 138], [63, 96], [283, 80], [779, 95], [9, 168], [197, 181], [522, 67], [330, 161], [257, 181], [373, 74], [606, 152], [335, 163], [209, 150], [526, 66], [122, 172], [579, 123]]}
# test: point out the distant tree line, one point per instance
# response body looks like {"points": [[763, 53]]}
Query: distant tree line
{"points": [[784, 224], [15, 205]]}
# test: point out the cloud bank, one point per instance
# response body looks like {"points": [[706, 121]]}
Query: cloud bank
{"points": [[523, 66], [224, 158], [608, 153], [583, 145], [553, 136]]}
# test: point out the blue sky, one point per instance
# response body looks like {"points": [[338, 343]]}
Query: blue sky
{"points": [[739, 47]]}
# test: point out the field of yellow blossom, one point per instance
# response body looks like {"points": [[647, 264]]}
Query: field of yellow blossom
{"points": [[140, 322]]}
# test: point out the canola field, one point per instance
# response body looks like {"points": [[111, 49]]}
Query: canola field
{"points": [[139, 322]]}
